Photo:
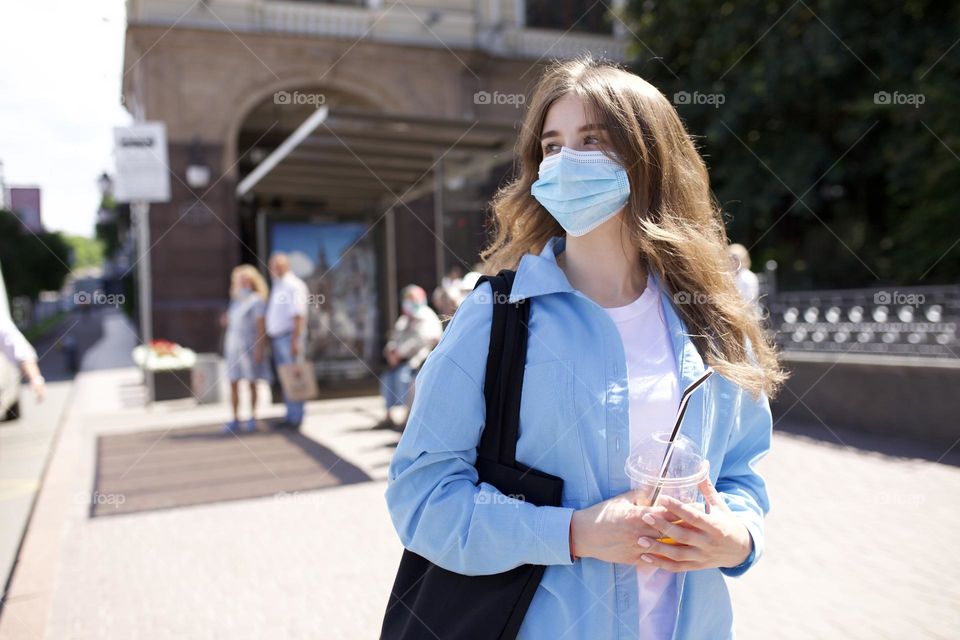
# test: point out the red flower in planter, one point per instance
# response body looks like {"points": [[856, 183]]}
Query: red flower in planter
{"points": [[164, 347]]}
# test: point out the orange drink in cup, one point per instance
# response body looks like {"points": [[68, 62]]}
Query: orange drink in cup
{"points": [[685, 470]]}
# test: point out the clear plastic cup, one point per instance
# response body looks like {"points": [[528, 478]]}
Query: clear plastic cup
{"points": [[686, 470]]}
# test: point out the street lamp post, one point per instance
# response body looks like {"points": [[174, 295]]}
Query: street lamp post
{"points": [[139, 211]]}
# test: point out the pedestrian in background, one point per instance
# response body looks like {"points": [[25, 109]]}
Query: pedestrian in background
{"points": [[446, 297], [453, 277], [245, 340], [747, 282], [445, 300], [16, 347], [415, 333], [286, 325]]}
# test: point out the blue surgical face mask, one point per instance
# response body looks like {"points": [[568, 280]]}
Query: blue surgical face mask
{"points": [[581, 189]]}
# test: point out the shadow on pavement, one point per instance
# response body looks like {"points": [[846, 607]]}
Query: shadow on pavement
{"points": [[894, 446]]}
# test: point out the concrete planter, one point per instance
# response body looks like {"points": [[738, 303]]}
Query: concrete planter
{"points": [[172, 384]]}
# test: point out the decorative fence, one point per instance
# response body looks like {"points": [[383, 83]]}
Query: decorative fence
{"points": [[913, 321]]}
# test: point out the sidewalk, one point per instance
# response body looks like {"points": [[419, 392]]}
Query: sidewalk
{"points": [[294, 565], [25, 444], [858, 543]]}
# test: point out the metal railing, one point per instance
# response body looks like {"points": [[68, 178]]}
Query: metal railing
{"points": [[913, 321]]}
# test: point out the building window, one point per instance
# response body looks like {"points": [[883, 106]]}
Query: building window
{"points": [[585, 16]]}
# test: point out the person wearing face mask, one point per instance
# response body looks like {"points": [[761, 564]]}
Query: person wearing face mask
{"points": [[244, 341], [413, 336], [620, 251]]}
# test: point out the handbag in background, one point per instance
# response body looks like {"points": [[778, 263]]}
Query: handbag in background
{"points": [[299, 381]]}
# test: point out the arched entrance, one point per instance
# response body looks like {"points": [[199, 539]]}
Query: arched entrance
{"points": [[365, 199]]}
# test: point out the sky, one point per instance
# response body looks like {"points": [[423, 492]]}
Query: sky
{"points": [[60, 86]]}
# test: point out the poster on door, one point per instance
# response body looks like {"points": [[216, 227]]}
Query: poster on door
{"points": [[337, 262]]}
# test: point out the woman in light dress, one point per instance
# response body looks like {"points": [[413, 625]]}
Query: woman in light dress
{"points": [[245, 341]]}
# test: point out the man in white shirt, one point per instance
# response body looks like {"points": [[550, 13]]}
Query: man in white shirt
{"points": [[285, 323]]}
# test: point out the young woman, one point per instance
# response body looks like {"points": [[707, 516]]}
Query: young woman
{"points": [[622, 253], [245, 340]]}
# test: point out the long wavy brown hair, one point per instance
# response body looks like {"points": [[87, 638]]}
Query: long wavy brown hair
{"points": [[672, 218]]}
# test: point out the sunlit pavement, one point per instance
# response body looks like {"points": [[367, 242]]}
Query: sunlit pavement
{"points": [[24, 448], [310, 564], [858, 543], [25, 443]]}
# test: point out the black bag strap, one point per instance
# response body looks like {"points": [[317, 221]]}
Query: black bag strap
{"points": [[504, 375]]}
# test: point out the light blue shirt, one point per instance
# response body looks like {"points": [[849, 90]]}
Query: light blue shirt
{"points": [[574, 423]]}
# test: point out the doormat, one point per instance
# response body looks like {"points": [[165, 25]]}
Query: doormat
{"points": [[173, 468]]}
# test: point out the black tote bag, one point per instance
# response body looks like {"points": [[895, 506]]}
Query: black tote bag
{"points": [[429, 602]]}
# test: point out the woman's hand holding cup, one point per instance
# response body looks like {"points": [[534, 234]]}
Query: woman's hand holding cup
{"points": [[704, 540], [609, 530]]}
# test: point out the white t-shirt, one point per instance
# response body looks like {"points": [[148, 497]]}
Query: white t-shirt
{"points": [[288, 299], [654, 397]]}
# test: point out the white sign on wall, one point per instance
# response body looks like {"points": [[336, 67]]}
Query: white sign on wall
{"points": [[142, 165]]}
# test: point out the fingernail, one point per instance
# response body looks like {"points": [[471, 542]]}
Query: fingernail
{"points": [[644, 542], [649, 519], [646, 558]]}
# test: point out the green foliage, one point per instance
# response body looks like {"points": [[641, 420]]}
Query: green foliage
{"points": [[108, 228], [108, 235], [31, 262], [38, 330], [813, 169], [87, 252]]}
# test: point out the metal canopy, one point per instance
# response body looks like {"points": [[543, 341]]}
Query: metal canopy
{"points": [[357, 160]]}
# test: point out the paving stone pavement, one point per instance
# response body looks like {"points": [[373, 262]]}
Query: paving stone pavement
{"points": [[858, 544]]}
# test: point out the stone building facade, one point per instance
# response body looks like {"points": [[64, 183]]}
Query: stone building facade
{"points": [[422, 102]]}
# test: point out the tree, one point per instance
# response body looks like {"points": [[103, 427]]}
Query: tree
{"points": [[87, 252], [31, 262], [831, 129]]}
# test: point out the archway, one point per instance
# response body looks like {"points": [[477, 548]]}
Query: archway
{"points": [[359, 202]]}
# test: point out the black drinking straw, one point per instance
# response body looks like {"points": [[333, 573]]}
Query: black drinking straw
{"points": [[682, 409]]}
